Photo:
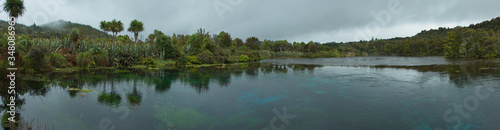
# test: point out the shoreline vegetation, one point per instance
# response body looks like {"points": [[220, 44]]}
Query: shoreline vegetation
{"points": [[41, 49]]}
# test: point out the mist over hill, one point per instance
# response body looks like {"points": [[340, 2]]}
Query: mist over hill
{"points": [[56, 29]]}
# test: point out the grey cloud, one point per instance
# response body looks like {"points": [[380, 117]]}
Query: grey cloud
{"points": [[301, 20]]}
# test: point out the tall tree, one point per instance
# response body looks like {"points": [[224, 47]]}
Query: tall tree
{"points": [[75, 36], [105, 27], [151, 38], [115, 27], [237, 42], [252, 43], [156, 34], [164, 44], [15, 8], [136, 27], [406, 48], [224, 39], [311, 47]]}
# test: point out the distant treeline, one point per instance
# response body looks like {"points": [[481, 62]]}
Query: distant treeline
{"points": [[476, 41]]}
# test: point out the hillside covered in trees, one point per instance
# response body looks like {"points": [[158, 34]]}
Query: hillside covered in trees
{"points": [[478, 41], [56, 29]]}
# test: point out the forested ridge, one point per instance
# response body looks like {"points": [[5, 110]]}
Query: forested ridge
{"points": [[64, 44], [56, 29], [478, 41]]}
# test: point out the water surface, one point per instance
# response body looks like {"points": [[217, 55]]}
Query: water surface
{"points": [[324, 93]]}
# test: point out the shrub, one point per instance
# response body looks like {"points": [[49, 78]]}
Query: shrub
{"points": [[123, 59], [75, 36], [102, 59], [265, 54], [182, 60], [167, 49], [163, 63], [193, 60], [206, 57], [3, 68], [233, 59], [35, 60], [364, 54], [56, 60], [84, 60], [253, 55], [149, 62], [244, 58]]}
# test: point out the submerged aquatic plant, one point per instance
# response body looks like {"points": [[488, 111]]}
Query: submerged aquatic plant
{"points": [[135, 97], [174, 117], [110, 99]]}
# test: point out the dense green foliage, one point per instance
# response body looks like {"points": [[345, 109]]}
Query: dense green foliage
{"points": [[84, 59], [167, 50], [160, 50], [35, 61], [74, 35], [56, 60], [476, 41], [470, 43]]}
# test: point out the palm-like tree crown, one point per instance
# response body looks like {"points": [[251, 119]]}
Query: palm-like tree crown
{"points": [[116, 26], [104, 26], [136, 26], [15, 8]]}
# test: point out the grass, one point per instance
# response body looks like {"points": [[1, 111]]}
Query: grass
{"points": [[122, 71], [67, 69], [139, 67]]}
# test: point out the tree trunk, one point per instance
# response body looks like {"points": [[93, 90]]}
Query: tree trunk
{"points": [[136, 34], [114, 37]]}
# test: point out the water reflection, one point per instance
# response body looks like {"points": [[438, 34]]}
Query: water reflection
{"points": [[460, 74], [109, 89], [197, 78], [201, 78], [135, 97]]}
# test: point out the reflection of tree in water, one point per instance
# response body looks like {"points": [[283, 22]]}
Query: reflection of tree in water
{"points": [[462, 75], [285, 68], [134, 98], [466, 74], [112, 98], [266, 69], [33, 88], [163, 80], [199, 79], [252, 70], [75, 82], [236, 72], [72, 83]]}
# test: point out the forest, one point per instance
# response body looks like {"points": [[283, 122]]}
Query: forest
{"points": [[62, 44], [477, 41]]}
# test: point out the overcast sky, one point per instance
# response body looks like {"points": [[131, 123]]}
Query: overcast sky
{"points": [[293, 20]]}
